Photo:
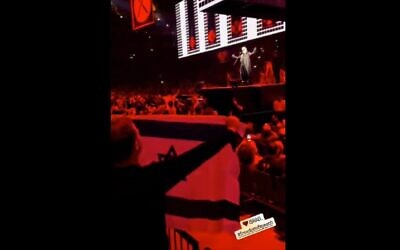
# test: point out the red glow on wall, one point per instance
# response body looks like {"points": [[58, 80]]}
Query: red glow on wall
{"points": [[192, 42], [267, 23], [211, 36], [142, 13], [223, 56], [237, 28]]}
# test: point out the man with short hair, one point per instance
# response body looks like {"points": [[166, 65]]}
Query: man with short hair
{"points": [[138, 192]]}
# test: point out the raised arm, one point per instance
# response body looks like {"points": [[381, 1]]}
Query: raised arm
{"points": [[234, 56], [254, 51]]}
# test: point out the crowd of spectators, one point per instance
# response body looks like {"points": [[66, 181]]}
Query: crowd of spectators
{"points": [[262, 148], [171, 101]]}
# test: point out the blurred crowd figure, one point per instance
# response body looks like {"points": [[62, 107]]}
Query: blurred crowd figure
{"points": [[175, 102], [151, 102], [269, 75], [279, 105], [262, 149], [265, 150]]}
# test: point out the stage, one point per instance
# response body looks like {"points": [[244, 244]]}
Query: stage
{"points": [[254, 98]]}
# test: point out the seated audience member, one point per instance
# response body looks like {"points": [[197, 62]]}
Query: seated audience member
{"points": [[116, 109], [275, 123], [264, 138], [131, 111], [248, 154], [281, 129], [279, 105], [171, 108], [274, 162], [282, 133], [248, 158], [121, 102], [138, 192]]}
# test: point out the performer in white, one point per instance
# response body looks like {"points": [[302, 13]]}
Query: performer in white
{"points": [[245, 64]]}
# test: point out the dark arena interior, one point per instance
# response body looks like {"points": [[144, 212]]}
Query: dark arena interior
{"points": [[198, 123]]}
